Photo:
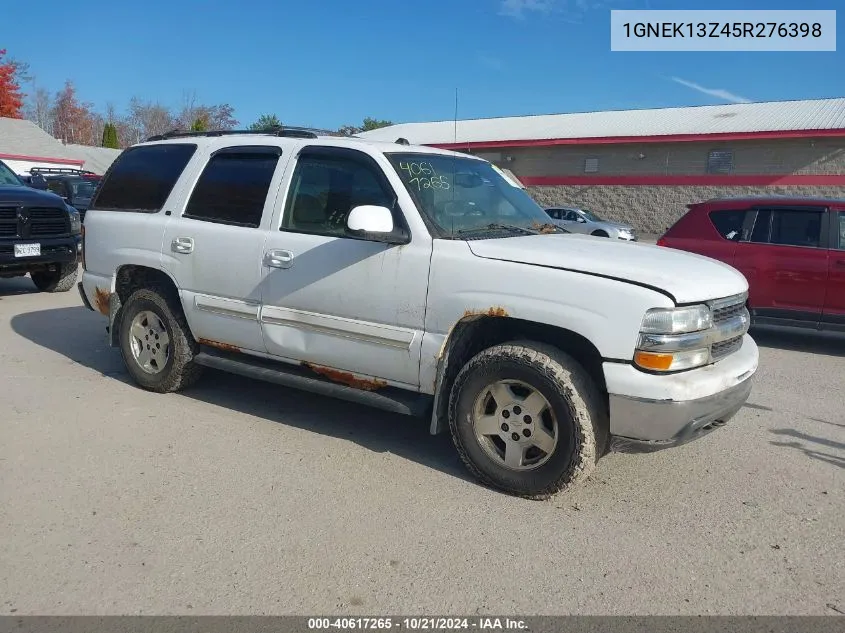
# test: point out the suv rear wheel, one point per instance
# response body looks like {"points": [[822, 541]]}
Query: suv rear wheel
{"points": [[156, 343], [61, 279], [527, 419]]}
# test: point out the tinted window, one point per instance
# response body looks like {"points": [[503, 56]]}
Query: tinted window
{"points": [[325, 190], [142, 178], [760, 233], [555, 214], [233, 187], [796, 228], [728, 223], [56, 186]]}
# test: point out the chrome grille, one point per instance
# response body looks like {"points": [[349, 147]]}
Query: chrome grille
{"points": [[720, 315], [727, 311], [725, 348]]}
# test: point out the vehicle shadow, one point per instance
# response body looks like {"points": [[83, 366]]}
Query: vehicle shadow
{"points": [[809, 450], [80, 335], [16, 286], [813, 342]]}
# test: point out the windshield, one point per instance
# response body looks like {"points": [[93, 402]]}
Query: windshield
{"points": [[8, 177], [83, 188], [463, 195], [592, 217]]}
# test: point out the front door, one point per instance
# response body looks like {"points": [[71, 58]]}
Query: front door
{"points": [[834, 304], [334, 302], [213, 246]]}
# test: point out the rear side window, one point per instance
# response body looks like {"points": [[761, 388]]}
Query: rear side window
{"points": [[142, 178], [797, 228], [728, 223], [233, 187]]}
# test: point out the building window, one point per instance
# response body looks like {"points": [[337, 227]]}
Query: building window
{"points": [[591, 165], [720, 161]]}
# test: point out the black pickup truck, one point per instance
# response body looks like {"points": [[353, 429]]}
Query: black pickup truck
{"points": [[40, 234]]}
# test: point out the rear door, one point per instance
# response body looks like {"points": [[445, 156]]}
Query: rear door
{"points": [[214, 241], [834, 305], [785, 259]]}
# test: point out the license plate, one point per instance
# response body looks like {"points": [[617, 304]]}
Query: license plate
{"points": [[27, 250]]}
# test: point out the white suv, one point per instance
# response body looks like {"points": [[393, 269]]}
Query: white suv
{"points": [[416, 280]]}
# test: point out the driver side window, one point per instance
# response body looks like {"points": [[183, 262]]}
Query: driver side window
{"points": [[324, 191]]}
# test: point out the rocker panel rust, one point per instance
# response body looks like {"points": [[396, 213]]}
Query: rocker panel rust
{"points": [[346, 378], [226, 347]]}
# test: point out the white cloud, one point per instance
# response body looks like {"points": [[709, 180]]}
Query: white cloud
{"points": [[719, 93], [518, 8]]}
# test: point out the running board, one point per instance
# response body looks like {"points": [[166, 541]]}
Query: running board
{"points": [[385, 398]]}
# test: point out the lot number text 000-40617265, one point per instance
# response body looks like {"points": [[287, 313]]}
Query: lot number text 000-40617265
{"points": [[422, 176]]}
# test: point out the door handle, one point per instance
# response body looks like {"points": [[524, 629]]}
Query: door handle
{"points": [[182, 245], [278, 258]]}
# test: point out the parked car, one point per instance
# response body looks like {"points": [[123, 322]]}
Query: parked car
{"points": [[412, 279], [76, 187], [791, 251], [39, 235], [579, 220]]}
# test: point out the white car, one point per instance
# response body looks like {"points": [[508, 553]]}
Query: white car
{"points": [[579, 220], [416, 280]]}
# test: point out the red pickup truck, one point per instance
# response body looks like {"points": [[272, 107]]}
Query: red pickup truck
{"points": [[791, 250]]}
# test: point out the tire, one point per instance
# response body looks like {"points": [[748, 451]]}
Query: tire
{"points": [[571, 397], [600, 233], [158, 314], [60, 280]]}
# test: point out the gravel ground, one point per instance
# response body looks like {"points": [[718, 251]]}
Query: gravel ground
{"points": [[246, 498]]}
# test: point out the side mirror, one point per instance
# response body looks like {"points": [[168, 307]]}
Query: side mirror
{"points": [[374, 223]]}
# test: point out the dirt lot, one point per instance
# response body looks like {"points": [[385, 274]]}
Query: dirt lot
{"points": [[240, 497]]}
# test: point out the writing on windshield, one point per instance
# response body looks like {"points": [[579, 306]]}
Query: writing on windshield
{"points": [[422, 175]]}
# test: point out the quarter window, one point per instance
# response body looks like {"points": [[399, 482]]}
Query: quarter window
{"points": [[233, 187], [142, 178], [728, 223], [325, 189]]}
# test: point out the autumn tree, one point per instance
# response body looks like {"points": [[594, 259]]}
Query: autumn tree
{"points": [[266, 122], [73, 120], [11, 97]]}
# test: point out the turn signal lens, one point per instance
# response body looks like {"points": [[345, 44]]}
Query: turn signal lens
{"points": [[675, 361]]}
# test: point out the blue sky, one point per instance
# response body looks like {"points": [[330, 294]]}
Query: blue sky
{"points": [[330, 62]]}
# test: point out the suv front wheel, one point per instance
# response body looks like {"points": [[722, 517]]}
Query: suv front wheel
{"points": [[156, 343], [527, 419]]}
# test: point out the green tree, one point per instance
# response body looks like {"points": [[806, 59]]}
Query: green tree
{"points": [[110, 136], [368, 124], [265, 123], [199, 125]]}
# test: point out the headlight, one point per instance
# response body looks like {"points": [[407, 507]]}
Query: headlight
{"points": [[677, 320], [674, 339], [75, 221]]}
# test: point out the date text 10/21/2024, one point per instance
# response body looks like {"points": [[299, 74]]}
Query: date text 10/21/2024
{"points": [[418, 623]]}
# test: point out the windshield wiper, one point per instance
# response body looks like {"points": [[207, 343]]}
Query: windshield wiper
{"points": [[495, 226]]}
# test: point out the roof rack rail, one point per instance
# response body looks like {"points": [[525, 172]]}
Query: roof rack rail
{"points": [[282, 130], [60, 170]]}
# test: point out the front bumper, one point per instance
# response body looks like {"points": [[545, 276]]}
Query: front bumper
{"points": [[650, 412], [696, 418], [54, 250]]}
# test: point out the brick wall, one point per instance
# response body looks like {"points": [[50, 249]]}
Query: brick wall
{"points": [[787, 156], [653, 209]]}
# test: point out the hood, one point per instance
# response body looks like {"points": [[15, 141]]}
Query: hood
{"points": [[685, 276], [28, 196]]}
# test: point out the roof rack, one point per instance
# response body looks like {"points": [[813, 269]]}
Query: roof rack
{"points": [[282, 130], [61, 170]]}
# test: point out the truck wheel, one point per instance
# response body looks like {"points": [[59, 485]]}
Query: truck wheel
{"points": [[156, 344], [60, 280], [527, 419]]}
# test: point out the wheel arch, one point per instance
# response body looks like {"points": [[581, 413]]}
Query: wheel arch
{"points": [[127, 279], [472, 334]]}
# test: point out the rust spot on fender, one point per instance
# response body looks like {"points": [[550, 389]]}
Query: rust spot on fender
{"points": [[544, 228], [101, 300], [346, 378], [494, 311], [226, 347]]}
